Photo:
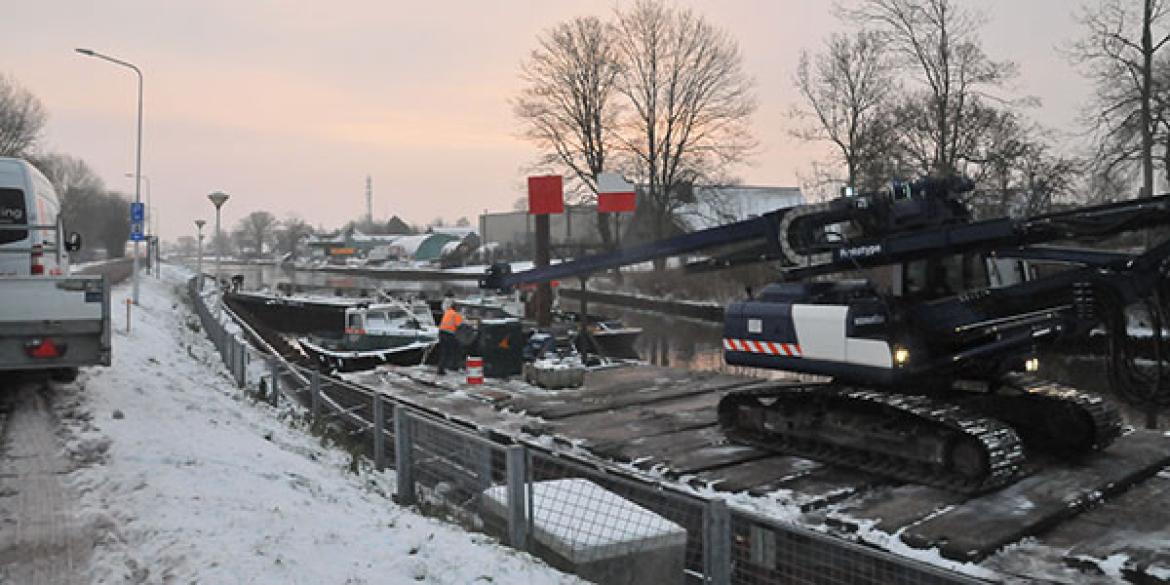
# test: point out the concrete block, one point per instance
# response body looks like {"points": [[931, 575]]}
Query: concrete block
{"points": [[555, 376]]}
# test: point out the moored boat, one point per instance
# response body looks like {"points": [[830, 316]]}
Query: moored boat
{"points": [[382, 333]]}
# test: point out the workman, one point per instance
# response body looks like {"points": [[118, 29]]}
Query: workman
{"points": [[448, 345]]}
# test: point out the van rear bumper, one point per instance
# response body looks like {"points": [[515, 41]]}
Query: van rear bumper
{"points": [[86, 343]]}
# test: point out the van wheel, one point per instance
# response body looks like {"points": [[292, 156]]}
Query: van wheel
{"points": [[64, 375]]}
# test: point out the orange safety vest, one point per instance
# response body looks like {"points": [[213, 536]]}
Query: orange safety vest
{"points": [[451, 320]]}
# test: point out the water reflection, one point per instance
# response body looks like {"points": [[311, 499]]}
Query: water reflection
{"points": [[679, 342]]}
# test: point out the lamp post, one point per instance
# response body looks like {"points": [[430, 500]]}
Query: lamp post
{"points": [[218, 198], [138, 154], [199, 263]]}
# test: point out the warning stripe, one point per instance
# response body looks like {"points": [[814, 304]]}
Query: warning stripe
{"points": [[762, 347]]}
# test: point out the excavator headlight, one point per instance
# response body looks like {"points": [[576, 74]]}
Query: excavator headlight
{"points": [[901, 356], [1032, 365]]}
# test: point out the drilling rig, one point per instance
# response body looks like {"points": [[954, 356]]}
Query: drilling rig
{"points": [[927, 326]]}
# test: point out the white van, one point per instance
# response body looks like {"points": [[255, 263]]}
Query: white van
{"points": [[50, 321], [27, 199]]}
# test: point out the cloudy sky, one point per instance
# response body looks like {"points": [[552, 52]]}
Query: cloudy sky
{"points": [[289, 105]]}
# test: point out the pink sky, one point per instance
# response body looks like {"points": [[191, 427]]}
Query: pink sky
{"points": [[288, 106]]}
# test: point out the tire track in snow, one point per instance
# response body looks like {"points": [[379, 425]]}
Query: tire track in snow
{"points": [[41, 539]]}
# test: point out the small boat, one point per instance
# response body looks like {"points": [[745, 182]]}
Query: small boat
{"points": [[395, 333], [614, 339]]}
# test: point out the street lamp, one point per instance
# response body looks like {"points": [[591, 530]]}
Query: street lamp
{"points": [[138, 155], [218, 198], [199, 265], [151, 225]]}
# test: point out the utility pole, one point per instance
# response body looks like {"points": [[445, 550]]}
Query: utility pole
{"points": [[369, 200]]}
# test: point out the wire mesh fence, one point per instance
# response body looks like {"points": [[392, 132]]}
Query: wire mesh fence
{"points": [[603, 523]]}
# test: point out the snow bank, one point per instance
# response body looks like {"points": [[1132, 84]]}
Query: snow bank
{"points": [[183, 480]]}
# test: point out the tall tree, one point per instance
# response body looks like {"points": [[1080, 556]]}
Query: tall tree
{"points": [[690, 103], [1118, 52], [940, 41], [568, 102], [112, 213], [846, 89], [22, 117], [255, 231]]}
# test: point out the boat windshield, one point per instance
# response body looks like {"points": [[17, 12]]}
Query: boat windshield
{"points": [[376, 320]]}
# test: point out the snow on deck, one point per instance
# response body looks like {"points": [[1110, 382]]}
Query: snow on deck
{"points": [[184, 480]]}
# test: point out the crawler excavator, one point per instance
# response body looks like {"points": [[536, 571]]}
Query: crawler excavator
{"points": [[929, 370]]}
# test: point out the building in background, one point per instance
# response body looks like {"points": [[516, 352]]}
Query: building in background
{"points": [[449, 245], [509, 234]]}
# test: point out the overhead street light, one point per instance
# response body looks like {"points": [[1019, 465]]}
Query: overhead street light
{"points": [[218, 198], [138, 155]]}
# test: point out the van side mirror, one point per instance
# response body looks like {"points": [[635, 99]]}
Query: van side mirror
{"points": [[73, 242]]}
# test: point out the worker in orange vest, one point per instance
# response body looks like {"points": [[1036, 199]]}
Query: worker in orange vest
{"points": [[448, 345]]}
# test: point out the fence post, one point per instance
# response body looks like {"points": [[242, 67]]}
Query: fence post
{"points": [[243, 364], [315, 392], [516, 464], [717, 543], [274, 367], [403, 463], [379, 433]]}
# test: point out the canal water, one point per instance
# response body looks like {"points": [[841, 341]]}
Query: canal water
{"points": [[666, 340]]}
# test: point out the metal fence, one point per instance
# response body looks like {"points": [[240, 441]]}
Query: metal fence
{"points": [[600, 521]]}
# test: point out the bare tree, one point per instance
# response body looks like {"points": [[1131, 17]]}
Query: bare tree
{"points": [[1021, 174], [690, 103], [568, 103], [86, 207], [290, 232], [22, 117], [846, 89], [255, 231], [1118, 53], [110, 214], [939, 40]]}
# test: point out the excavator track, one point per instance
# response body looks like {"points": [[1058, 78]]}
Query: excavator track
{"points": [[908, 437], [1051, 417]]}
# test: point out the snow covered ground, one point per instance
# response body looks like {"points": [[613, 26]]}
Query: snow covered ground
{"points": [[184, 480]]}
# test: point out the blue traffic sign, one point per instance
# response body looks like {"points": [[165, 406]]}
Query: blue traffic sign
{"points": [[137, 212]]}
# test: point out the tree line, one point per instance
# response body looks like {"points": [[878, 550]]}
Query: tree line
{"points": [[99, 214], [658, 93]]}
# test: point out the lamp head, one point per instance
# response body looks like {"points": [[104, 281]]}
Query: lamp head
{"points": [[85, 51], [218, 198]]}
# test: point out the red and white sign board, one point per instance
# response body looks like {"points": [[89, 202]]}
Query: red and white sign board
{"points": [[545, 195], [614, 194]]}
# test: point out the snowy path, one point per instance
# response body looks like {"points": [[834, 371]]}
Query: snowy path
{"points": [[40, 539], [181, 479]]}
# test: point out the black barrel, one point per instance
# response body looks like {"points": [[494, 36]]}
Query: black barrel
{"points": [[501, 344]]}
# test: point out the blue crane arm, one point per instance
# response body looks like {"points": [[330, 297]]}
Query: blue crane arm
{"points": [[762, 228], [785, 235]]}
